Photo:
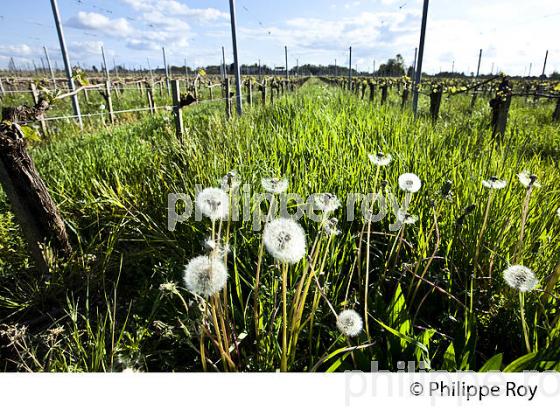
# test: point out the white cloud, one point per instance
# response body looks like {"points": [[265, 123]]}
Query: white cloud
{"points": [[174, 8], [82, 49], [20, 50], [97, 22]]}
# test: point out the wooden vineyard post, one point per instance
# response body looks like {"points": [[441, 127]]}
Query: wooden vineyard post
{"points": [[228, 98], [435, 102], [263, 92], [210, 89], [86, 95], [272, 85], [109, 100], [371, 91], [176, 95], [363, 90], [500, 109], [475, 91], [40, 220], [2, 90], [556, 113], [36, 102], [116, 90], [150, 94], [384, 92], [405, 93], [250, 92]]}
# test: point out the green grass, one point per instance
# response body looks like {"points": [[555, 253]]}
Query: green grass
{"points": [[112, 188]]}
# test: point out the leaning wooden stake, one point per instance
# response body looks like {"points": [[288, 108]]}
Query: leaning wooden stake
{"points": [[40, 220], [109, 100], [176, 94], [228, 97], [150, 94]]}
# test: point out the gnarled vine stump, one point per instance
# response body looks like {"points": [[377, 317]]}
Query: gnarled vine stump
{"points": [[36, 212]]}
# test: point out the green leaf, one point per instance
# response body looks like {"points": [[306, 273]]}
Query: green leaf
{"points": [[30, 133], [425, 339], [404, 338], [337, 363], [449, 359], [398, 315], [492, 364], [521, 363]]}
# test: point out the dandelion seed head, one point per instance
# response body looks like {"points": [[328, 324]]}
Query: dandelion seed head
{"points": [[521, 278], [205, 276], [410, 182], [219, 249], [284, 239], [331, 227], [326, 202], [380, 159], [527, 179], [274, 185], [230, 182], [131, 370], [349, 322], [494, 183], [406, 218], [558, 212], [168, 287], [213, 203]]}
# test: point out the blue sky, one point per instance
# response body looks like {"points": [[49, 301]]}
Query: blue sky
{"points": [[512, 33]]}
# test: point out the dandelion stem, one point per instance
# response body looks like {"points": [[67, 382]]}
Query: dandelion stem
{"points": [[518, 256], [256, 304], [476, 257], [524, 322], [284, 359], [368, 237]]}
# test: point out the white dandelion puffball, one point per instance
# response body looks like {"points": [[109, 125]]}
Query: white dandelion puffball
{"points": [[274, 185], [284, 240], [380, 159], [102, 107], [230, 182], [410, 182], [205, 276], [349, 322], [326, 202], [494, 183], [527, 179], [213, 203], [521, 278], [558, 212]]}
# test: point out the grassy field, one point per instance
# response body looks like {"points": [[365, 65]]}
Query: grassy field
{"points": [[433, 290]]}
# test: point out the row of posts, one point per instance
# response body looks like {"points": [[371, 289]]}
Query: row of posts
{"points": [[499, 104]]}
